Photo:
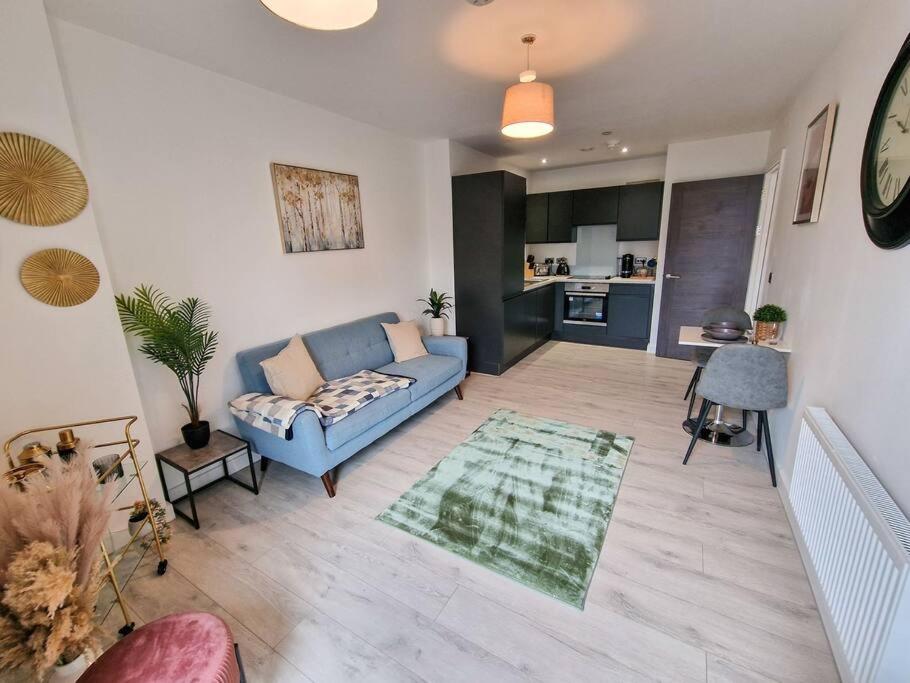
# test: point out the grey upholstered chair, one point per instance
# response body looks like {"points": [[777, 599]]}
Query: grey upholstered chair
{"points": [[744, 376], [701, 354]]}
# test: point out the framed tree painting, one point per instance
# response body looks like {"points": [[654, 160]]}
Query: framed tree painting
{"points": [[317, 210], [815, 166]]}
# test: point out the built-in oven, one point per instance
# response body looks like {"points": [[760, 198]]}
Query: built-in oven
{"points": [[586, 303]]}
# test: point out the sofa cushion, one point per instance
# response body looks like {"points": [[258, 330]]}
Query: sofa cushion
{"points": [[430, 371], [404, 338], [354, 425], [292, 373]]}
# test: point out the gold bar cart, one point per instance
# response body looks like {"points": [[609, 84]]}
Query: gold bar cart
{"points": [[110, 561]]}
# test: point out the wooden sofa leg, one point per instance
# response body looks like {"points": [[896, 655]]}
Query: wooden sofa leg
{"points": [[458, 393], [329, 484]]}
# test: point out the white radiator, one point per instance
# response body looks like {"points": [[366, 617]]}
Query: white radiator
{"points": [[856, 545]]}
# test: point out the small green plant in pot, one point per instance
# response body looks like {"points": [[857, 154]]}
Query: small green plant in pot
{"points": [[437, 305], [768, 319], [177, 336]]}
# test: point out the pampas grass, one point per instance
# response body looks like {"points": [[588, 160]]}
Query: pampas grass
{"points": [[50, 533]]}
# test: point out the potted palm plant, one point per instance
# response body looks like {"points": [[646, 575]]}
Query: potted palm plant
{"points": [[177, 336], [768, 319], [437, 305]]}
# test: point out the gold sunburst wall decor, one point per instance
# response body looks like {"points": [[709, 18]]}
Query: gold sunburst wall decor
{"points": [[39, 184], [59, 277]]}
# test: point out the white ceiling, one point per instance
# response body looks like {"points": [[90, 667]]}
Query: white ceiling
{"points": [[652, 71]]}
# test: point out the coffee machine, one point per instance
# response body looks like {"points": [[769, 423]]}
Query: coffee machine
{"points": [[627, 265]]}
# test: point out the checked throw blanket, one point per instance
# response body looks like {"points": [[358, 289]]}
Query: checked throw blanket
{"points": [[332, 402]]}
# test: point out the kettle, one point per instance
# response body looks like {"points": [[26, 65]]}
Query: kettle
{"points": [[562, 266], [628, 265]]}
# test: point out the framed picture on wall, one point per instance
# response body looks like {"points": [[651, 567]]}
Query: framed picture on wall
{"points": [[815, 166], [317, 210]]}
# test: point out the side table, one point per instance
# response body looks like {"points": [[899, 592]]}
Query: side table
{"points": [[187, 461]]}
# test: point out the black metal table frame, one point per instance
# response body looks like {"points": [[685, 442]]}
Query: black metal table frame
{"points": [[194, 520]]}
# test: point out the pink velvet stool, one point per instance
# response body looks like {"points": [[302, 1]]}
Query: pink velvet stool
{"points": [[180, 648]]}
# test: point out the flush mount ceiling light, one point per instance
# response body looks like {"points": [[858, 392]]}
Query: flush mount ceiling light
{"points": [[527, 111], [324, 15]]}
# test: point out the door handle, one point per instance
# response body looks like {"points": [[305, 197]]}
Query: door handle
{"points": [[668, 276]]}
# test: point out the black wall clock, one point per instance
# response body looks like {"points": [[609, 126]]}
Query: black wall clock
{"points": [[886, 159]]}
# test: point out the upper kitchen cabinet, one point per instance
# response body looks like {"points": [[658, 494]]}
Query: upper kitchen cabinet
{"points": [[639, 212], [559, 217], [595, 206], [549, 217], [536, 225]]}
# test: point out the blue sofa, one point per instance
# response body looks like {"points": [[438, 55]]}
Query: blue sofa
{"points": [[338, 352]]}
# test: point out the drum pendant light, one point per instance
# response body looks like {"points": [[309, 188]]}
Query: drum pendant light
{"points": [[527, 110], [324, 15]]}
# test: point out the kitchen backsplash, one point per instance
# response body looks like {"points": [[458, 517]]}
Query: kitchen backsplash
{"points": [[595, 252]]}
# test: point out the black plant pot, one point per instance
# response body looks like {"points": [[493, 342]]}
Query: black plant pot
{"points": [[198, 436]]}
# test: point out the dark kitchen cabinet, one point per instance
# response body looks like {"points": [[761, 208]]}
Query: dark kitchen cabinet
{"points": [[639, 212], [595, 206], [488, 216], [536, 221], [559, 217], [528, 322], [629, 315], [546, 304], [520, 326], [549, 217]]}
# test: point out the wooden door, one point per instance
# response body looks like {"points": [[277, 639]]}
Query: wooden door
{"points": [[710, 237]]}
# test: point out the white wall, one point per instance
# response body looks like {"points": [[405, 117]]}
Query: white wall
{"points": [[437, 182], [846, 298], [464, 160], [725, 157], [179, 157], [597, 175], [57, 364]]}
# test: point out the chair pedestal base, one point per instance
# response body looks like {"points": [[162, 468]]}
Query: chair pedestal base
{"points": [[720, 433]]}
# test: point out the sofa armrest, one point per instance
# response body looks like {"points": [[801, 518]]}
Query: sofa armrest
{"points": [[307, 433], [456, 347], [306, 451]]}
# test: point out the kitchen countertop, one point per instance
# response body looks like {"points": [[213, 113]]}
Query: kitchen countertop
{"points": [[544, 281]]}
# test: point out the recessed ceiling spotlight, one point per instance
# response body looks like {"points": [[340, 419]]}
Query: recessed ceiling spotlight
{"points": [[612, 144], [478, 3], [544, 160], [585, 149], [624, 150], [607, 132]]}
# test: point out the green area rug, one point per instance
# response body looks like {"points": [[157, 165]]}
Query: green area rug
{"points": [[526, 497]]}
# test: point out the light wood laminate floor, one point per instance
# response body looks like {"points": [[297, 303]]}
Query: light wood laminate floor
{"points": [[699, 578]]}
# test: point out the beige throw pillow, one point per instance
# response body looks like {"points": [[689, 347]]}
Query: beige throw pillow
{"points": [[404, 338], [292, 373]]}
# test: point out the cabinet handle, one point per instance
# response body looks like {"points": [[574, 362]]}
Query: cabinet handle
{"points": [[668, 276]]}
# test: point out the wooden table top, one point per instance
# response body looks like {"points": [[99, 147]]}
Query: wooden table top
{"points": [[689, 335], [221, 444]]}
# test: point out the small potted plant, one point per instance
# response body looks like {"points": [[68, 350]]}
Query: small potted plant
{"points": [[177, 336], [437, 305], [138, 514], [768, 319]]}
